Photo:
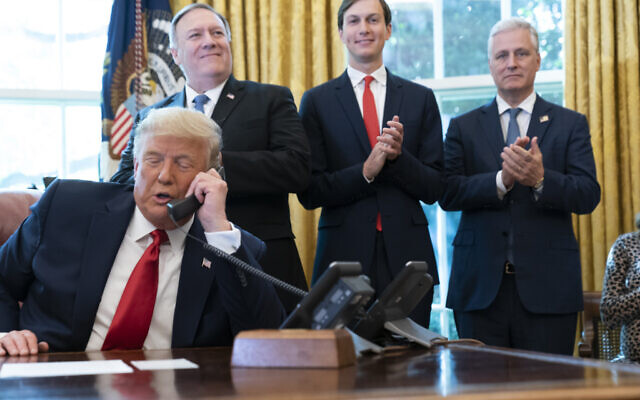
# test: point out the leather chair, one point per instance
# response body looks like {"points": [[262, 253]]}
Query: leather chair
{"points": [[597, 340], [14, 208]]}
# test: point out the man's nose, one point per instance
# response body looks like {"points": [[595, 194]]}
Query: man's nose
{"points": [[364, 28], [209, 40], [166, 173], [511, 61]]}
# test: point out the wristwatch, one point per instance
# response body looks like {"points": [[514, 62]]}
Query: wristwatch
{"points": [[538, 184]]}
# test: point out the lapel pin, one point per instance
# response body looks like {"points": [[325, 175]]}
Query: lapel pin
{"points": [[231, 96], [206, 263], [544, 118]]}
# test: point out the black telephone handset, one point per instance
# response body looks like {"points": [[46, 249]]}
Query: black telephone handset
{"points": [[180, 208]]}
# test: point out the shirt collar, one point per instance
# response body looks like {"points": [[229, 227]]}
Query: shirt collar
{"points": [[355, 76], [526, 105], [140, 227], [213, 94]]}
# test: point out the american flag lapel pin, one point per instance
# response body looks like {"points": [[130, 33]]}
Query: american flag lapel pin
{"points": [[544, 118], [231, 96], [206, 263]]}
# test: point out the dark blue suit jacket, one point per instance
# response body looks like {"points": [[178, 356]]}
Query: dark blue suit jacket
{"points": [[59, 260], [339, 146], [545, 250]]}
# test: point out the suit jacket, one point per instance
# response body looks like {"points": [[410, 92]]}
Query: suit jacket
{"points": [[339, 146], [265, 154], [545, 251], [59, 260]]}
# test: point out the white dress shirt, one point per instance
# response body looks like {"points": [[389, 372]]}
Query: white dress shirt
{"points": [[523, 119], [136, 239], [213, 94], [378, 87]]}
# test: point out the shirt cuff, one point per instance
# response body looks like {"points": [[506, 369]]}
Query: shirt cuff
{"points": [[502, 190], [366, 179], [227, 241], [538, 192]]}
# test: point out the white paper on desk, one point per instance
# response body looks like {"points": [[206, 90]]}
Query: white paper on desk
{"points": [[63, 368], [178, 363]]}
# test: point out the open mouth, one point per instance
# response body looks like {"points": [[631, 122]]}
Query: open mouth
{"points": [[162, 198]]}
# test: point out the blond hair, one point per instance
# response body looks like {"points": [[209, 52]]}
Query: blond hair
{"points": [[181, 123]]}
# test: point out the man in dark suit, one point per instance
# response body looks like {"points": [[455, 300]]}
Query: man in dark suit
{"points": [[102, 265], [370, 174], [517, 168], [265, 153]]}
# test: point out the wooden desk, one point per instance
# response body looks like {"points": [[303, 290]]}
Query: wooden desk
{"points": [[458, 371]]}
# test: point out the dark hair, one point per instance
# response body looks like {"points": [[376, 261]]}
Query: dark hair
{"points": [[346, 4], [187, 9]]}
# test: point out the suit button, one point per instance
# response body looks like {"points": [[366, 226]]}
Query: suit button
{"points": [[505, 233]]}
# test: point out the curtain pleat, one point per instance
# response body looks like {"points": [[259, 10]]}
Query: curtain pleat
{"points": [[603, 82]]}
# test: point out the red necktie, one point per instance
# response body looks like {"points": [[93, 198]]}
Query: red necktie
{"points": [[130, 324], [370, 117]]}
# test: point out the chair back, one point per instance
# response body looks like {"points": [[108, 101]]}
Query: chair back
{"points": [[597, 340], [14, 208]]}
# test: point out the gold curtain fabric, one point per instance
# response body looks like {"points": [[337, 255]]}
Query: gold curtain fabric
{"points": [[603, 82], [293, 43]]}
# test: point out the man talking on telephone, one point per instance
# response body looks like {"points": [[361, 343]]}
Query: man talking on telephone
{"points": [[266, 153], [101, 266]]}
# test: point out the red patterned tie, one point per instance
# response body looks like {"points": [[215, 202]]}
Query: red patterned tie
{"points": [[130, 324], [370, 117]]}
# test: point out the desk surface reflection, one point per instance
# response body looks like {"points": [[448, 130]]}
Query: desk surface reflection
{"points": [[459, 371]]}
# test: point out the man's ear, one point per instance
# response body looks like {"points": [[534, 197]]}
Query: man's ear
{"points": [[174, 54], [135, 167]]}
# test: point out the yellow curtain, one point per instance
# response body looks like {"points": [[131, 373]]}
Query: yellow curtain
{"points": [[603, 82], [293, 43]]}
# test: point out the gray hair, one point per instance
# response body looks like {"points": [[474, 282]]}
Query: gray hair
{"points": [[181, 123], [511, 24], [187, 9]]}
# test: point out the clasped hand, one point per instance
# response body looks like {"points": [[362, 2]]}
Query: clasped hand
{"points": [[521, 165], [388, 147]]}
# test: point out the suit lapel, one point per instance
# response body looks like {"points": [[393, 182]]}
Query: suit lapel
{"points": [[179, 100], [347, 99], [230, 97], [393, 99], [193, 290], [540, 119], [490, 120], [105, 233]]}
